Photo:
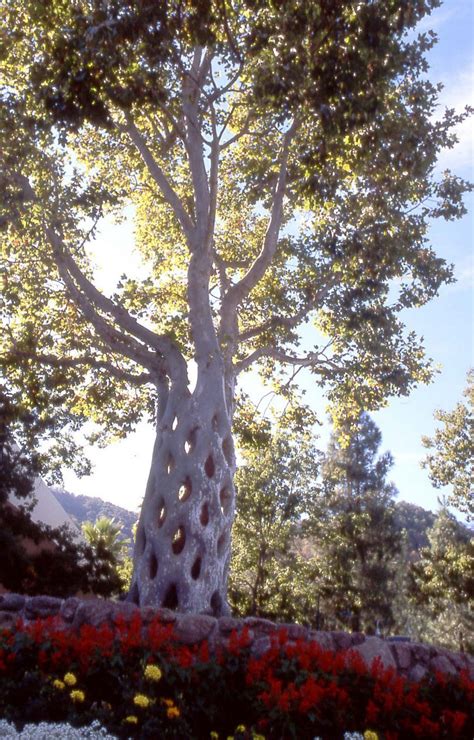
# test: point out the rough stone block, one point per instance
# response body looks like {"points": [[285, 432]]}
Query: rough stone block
{"points": [[324, 639], [161, 615], [68, 609], [417, 672], [260, 646], [12, 602], [261, 626], [39, 607], [403, 654], [443, 664], [229, 624], [192, 628], [94, 612], [342, 640], [372, 648], [8, 619], [295, 631]]}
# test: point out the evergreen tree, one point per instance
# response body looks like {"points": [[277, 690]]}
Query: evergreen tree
{"points": [[104, 536], [277, 490], [442, 585], [357, 536]]}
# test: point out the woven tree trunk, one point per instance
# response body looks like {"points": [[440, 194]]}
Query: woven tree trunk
{"points": [[182, 548]]}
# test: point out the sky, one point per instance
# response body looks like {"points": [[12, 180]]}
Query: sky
{"points": [[446, 323]]}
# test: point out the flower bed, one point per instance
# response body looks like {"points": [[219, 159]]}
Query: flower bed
{"points": [[139, 681]]}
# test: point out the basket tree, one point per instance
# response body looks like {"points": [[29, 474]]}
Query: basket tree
{"points": [[278, 159]]}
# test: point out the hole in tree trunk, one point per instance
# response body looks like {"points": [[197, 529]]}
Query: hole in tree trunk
{"points": [[204, 518], [179, 540], [215, 423], [216, 604], [225, 497], [170, 464], [153, 566], [134, 595], [221, 543], [190, 443], [171, 599], [175, 423], [161, 513], [227, 450], [196, 569], [141, 540], [209, 466], [185, 490]]}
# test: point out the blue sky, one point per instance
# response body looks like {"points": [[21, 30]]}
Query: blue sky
{"points": [[446, 324]]}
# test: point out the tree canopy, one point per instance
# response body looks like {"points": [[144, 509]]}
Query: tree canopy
{"points": [[279, 162], [451, 457]]}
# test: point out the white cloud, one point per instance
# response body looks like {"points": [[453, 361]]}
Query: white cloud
{"points": [[457, 93]]}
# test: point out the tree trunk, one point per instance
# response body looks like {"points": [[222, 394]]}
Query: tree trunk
{"points": [[182, 549]]}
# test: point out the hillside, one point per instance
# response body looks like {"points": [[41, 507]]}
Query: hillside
{"points": [[90, 508]]}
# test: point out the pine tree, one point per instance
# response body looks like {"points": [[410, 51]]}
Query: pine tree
{"points": [[357, 537]]}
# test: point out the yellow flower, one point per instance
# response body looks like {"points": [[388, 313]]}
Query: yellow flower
{"points": [[214, 735], [77, 695], [172, 712], [168, 702], [369, 735], [257, 737], [59, 684], [240, 728], [153, 673], [70, 679], [140, 700], [131, 719]]}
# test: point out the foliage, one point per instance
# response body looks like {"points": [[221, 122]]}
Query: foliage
{"points": [[277, 487], [90, 508], [356, 536], [335, 108], [451, 461], [37, 558], [141, 683], [442, 584], [104, 537]]}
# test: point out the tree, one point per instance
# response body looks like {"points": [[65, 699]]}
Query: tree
{"points": [[277, 490], [451, 461], [357, 537], [110, 550], [37, 558], [442, 584], [279, 163]]}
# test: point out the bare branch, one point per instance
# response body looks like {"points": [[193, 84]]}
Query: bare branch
{"points": [[289, 321], [91, 362], [313, 359], [169, 194], [240, 290]]}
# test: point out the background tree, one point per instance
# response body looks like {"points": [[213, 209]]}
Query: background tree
{"points": [[279, 164], [357, 537], [110, 548], [442, 585], [37, 558], [451, 461], [277, 489]]}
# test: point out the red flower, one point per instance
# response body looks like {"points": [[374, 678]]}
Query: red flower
{"points": [[371, 713], [454, 721], [311, 694]]}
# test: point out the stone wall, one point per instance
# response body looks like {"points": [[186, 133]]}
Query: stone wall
{"points": [[412, 660]]}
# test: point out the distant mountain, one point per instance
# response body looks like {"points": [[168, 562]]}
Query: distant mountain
{"points": [[89, 508]]}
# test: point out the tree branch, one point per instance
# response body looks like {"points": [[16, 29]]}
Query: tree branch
{"points": [[159, 177], [313, 359], [53, 361], [241, 290]]}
